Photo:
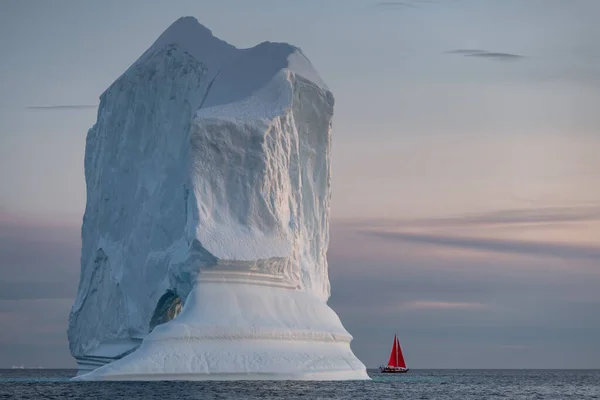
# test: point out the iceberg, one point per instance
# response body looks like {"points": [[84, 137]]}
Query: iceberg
{"points": [[206, 225]]}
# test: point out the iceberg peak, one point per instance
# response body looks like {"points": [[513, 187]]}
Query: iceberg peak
{"points": [[183, 27]]}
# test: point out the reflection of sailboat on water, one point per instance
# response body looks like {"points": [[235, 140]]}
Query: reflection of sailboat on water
{"points": [[396, 364]]}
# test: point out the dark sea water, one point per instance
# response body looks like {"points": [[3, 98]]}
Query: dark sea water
{"points": [[417, 384]]}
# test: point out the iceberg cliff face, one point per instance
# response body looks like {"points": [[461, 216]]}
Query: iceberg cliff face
{"points": [[208, 184]]}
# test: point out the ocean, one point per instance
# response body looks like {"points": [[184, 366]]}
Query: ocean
{"points": [[417, 384]]}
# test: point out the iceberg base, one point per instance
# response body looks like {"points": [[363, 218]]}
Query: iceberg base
{"points": [[239, 325]]}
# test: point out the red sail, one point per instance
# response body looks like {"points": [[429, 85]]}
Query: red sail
{"points": [[394, 356], [400, 358]]}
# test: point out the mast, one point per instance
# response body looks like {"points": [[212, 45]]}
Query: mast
{"points": [[393, 362], [397, 344]]}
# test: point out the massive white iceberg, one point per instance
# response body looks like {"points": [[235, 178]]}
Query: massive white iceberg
{"points": [[206, 226]]}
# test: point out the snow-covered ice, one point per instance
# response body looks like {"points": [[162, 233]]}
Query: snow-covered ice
{"points": [[208, 185]]}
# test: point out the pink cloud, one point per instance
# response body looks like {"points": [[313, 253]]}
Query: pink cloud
{"points": [[33, 220]]}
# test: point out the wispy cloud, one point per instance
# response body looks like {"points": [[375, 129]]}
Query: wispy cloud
{"points": [[63, 107], [507, 246], [500, 56], [504, 217], [442, 305], [535, 215], [465, 51], [396, 4]]}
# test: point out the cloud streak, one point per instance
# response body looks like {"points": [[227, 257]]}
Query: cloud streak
{"points": [[503, 217], [63, 107], [538, 215], [500, 56], [395, 4], [506, 246]]}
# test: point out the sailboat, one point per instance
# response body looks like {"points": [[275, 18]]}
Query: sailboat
{"points": [[396, 364]]}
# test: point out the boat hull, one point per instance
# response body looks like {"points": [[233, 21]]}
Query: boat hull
{"points": [[393, 370]]}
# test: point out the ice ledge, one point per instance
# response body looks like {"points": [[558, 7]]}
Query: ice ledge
{"points": [[233, 275]]}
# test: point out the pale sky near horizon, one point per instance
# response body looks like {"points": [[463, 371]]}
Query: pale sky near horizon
{"points": [[466, 185]]}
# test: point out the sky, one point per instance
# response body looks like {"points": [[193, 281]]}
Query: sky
{"points": [[466, 180]]}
